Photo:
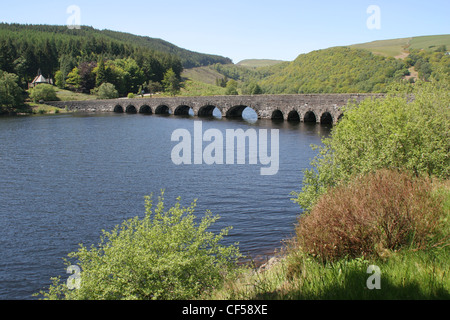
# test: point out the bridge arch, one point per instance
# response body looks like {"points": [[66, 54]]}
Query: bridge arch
{"points": [[183, 110], [131, 109], [118, 109], [162, 109], [310, 116], [145, 109], [326, 118], [294, 116], [207, 110], [236, 111], [277, 115]]}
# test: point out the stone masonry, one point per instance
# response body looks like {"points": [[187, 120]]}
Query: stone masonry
{"points": [[320, 108]]}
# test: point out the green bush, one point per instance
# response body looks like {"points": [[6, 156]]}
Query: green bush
{"points": [[130, 95], [165, 255], [45, 92], [390, 132], [106, 91]]}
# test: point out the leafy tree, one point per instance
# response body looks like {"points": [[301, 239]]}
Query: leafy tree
{"points": [[390, 133], [231, 88], [252, 88], [153, 87], [74, 79], [171, 82], [101, 73], [87, 76], [44, 92], [59, 79], [106, 91], [168, 254], [11, 95], [222, 82]]}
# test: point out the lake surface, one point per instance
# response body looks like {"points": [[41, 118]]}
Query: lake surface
{"points": [[65, 177]]}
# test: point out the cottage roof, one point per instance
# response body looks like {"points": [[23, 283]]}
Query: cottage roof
{"points": [[39, 79]]}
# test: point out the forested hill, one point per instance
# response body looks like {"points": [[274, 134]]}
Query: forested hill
{"points": [[26, 48], [335, 70], [345, 69], [188, 58]]}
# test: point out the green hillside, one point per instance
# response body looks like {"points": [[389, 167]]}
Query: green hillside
{"points": [[430, 42], [368, 67], [258, 63], [206, 74], [335, 70], [400, 47], [390, 48], [189, 59]]}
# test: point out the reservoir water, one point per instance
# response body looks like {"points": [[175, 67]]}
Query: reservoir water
{"points": [[65, 177]]}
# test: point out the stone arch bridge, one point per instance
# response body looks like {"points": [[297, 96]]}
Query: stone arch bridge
{"points": [[319, 108]]}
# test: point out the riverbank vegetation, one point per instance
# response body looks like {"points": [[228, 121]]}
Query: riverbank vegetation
{"points": [[375, 222], [168, 254], [378, 196]]}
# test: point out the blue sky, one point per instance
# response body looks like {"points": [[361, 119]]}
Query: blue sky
{"points": [[245, 29]]}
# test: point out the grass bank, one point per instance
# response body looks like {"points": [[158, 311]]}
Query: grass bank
{"points": [[417, 269]]}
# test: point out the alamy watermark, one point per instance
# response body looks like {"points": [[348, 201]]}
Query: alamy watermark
{"points": [[231, 149], [374, 20], [74, 20], [74, 280], [374, 281]]}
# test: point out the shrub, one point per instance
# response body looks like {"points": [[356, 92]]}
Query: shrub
{"points": [[389, 132], [106, 91], [45, 92], [130, 95], [165, 255], [385, 210]]}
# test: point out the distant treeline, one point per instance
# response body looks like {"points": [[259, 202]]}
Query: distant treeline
{"points": [[129, 61]]}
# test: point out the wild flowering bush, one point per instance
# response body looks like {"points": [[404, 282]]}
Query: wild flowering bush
{"points": [[385, 210], [168, 254]]}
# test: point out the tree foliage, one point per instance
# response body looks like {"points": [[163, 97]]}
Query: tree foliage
{"points": [[392, 132], [231, 88], [171, 82], [429, 63], [44, 91], [106, 91], [336, 70], [168, 254], [11, 95], [84, 59]]}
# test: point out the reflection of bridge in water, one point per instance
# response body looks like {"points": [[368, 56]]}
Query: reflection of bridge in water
{"points": [[319, 108]]}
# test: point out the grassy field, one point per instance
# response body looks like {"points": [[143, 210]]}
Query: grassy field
{"points": [[430, 42], [202, 74], [391, 48], [396, 47], [67, 95], [258, 63]]}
